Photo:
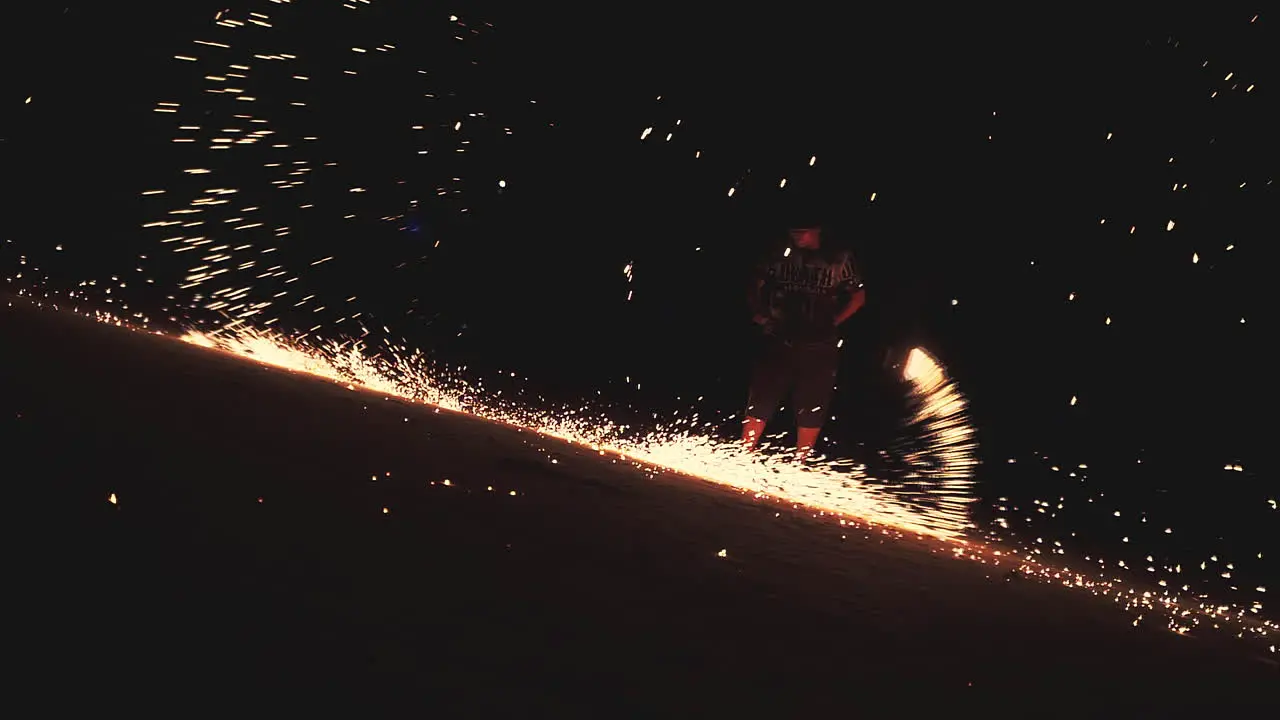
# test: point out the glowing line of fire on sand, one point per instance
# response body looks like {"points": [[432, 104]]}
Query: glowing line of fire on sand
{"points": [[839, 487]]}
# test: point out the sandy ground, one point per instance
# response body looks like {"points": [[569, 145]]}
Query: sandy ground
{"points": [[249, 564]]}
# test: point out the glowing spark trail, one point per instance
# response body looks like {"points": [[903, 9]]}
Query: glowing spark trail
{"points": [[836, 486]]}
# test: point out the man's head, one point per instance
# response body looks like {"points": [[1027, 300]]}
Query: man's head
{"points": [[807, 236]]}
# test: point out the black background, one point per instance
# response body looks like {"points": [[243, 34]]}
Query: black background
{"points": [[981, 132]]}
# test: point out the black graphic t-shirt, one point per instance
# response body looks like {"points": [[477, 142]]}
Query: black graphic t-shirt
{"points": [[803, 290]]}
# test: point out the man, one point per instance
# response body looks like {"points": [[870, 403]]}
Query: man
{"points": [[800, 296]]}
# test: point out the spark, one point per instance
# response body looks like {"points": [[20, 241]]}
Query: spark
{"points": [[829, 485]]}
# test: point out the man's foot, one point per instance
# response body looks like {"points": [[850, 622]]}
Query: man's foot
{"points": [[752, 432], [806, 439]]}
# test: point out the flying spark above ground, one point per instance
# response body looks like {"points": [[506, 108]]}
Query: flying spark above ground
{"points": [[837, 486]]}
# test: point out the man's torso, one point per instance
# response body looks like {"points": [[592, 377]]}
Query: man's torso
{"points": [[804, 291]]}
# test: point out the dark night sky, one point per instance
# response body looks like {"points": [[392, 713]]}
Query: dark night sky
{"points": [[1074, 210], [982, 135]]}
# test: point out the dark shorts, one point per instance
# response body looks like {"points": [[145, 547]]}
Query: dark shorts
{"points": [[807, 371]]}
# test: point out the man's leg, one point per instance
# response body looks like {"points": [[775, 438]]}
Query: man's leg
{"points": [[806, 438], [752, 431], [768, 385], [816, 368]]}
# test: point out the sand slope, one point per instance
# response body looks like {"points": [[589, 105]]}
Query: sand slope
{"points": [[249, 561]]}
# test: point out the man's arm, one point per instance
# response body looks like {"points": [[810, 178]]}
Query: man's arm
{"points": [[855, 303], [755, 296], [857, 293]]}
